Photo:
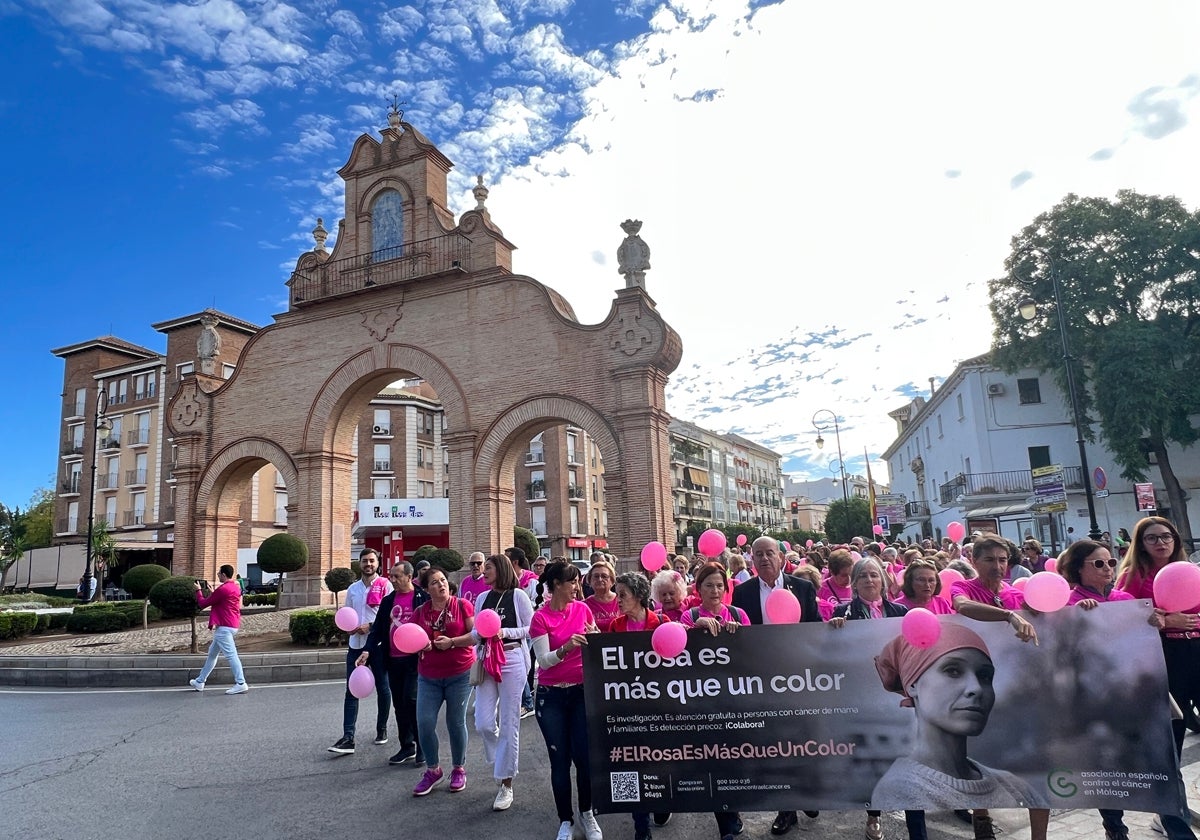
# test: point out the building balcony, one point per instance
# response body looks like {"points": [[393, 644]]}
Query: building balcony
{"points": [[135, 478], [382, 466], [535, 457], [678, 457], [110, 442], [138, 437], [71, 448], [993, 484], [133, 518], [73, 410], [693, 512], [535, 490], [447, 254], [69, 526], [381, 431], [574, 491], [918, 511], [148, 394], [70, 486]]}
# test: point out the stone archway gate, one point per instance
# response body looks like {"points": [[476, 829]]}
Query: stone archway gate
{"points": [[504, 352]]}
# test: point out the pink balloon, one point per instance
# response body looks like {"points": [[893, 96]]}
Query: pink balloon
{"points": [[362, 682], [787, 546], [711, 543], [487, 623], [1177, 587], [949, 578], [410, 638], [1052, 565], [346, 619], [782, 607], [876, 529], [956, 531], [855, 556], [1047, 592], [808, 543], [920, 627], [669, 639], [654, 554], [741, 540], [1021, 582]]}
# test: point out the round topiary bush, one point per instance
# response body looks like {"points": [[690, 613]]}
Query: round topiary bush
{"points": [[446, 559], [282, 553], [527, 541], [175, 596], [425, 552], [140, 579], [339, 579]]}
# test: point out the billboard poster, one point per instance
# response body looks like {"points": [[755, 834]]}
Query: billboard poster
{"points": [[1144, 494], [798, 717]]}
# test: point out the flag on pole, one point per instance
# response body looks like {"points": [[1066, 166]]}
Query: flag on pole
{"points": [[870, 489]]}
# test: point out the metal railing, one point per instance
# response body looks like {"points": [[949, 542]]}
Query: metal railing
{"points": [[137, 437], [134, 518], [69, 526], [574, 491], [917, 510], [535, 457], [135, 477], [383, 466], [682, 484], [71, 485], [439, 255], [1007, 483]]}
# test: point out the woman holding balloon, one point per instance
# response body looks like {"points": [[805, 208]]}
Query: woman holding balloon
{"points": [[443, 679], [502, 616], [868, 582]]}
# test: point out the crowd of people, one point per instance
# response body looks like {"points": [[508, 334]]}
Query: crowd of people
{"points": [[548, 609]]}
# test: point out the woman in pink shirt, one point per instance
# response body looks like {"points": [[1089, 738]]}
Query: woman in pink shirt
{"points": [[443, 677], [559, 629], [669, 590], [836, 588], [603, 600], [922, 586], [713, 614]]}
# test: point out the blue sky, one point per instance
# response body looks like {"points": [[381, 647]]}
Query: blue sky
{"points": [[826, 188]]}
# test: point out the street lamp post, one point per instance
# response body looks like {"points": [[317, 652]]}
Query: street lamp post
{"points": [[102, 426], [837, 433], [1028, 309]]}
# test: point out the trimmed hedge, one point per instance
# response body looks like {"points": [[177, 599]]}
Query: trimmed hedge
{"points": [[15, 625], [97, 621], [315, 627]]}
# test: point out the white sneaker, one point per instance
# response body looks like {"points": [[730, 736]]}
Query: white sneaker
{"points": [[240, 688], [504, 798], [591, 830], [564, 830], [199, 686]]}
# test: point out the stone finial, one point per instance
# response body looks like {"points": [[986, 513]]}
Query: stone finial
{"points": [[319, 235], [208, 344], [481, 193], [633, 257], [395, 115]]}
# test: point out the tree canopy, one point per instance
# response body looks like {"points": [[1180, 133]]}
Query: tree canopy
{"points": [[1127, 282], [848, 519]]}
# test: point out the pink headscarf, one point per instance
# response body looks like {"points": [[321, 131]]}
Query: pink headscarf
{"points": [[901, 663]]}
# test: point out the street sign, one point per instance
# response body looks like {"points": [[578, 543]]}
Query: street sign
{"points": [[883, 522], [1101, 494], [1099, 479], [891, 505], [1050, 489]]}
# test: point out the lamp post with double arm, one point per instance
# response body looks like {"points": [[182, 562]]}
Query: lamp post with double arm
{"points": [[817, 420], [1028, 309], [102, 427]]}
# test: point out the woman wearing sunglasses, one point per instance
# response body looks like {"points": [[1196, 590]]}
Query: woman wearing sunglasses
{"points": [[1090, 570]]}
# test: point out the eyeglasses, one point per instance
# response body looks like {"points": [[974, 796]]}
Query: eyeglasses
{"points": [[1100, 564], [476, 564], [1158, 538]]}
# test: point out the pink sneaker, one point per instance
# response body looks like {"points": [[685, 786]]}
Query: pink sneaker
{"points": [[429, 781], [458, 779]]}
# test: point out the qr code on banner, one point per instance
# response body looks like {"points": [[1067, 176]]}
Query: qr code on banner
{"points": [[625, 787]]}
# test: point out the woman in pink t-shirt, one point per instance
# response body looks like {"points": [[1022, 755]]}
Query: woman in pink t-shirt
{"points": [[443, 677], [713, 614], [603, 600], [922, 586], [836, 588], [559, 629]]}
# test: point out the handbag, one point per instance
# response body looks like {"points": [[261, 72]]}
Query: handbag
{"points": [[476, 677]]}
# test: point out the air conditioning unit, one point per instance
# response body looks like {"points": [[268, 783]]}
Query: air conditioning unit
{"points": [[382, 430], [995, 389]]}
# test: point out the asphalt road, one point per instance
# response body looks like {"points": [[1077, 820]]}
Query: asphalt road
{"points": [[172, 763]]}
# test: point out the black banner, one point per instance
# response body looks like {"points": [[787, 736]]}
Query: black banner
{"points": [[797, 717]]}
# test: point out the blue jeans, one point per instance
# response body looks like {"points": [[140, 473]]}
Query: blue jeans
{"points": [[222, 642], [431, 694], [383, 694], [563, 720]]}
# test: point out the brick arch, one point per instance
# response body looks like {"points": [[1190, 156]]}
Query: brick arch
{"points": [[229, 457], [373, 363], [494, 454], [386, 183]]}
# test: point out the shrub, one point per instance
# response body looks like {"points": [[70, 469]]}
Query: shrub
{"points": [[526, 540], [138, 580], [425, 552], [339, 579], [282, 553], [58, 620], [14, 625], [175, 596], [97, 621], [446, 559], [312, 627], [259, 599], [43, 623]]}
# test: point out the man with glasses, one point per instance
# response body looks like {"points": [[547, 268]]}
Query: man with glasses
{"points": [[473, 584], [364, 596]]}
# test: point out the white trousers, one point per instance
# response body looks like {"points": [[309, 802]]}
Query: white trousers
{"points": [[498, 714]]}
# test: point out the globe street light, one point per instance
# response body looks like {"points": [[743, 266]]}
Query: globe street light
{"points": [[1028, 309], [837, 433], [103, 426]]}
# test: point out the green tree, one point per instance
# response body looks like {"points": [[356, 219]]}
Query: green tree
{"points": [[12, 540], [1127, 279], [527, 541], [176, 597], [104, 553], [138, 582], [38, 519], [848, 519], [280, 554], [338, 580]]}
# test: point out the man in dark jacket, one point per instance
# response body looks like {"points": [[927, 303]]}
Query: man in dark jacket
{"points": [[751, 596]]}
